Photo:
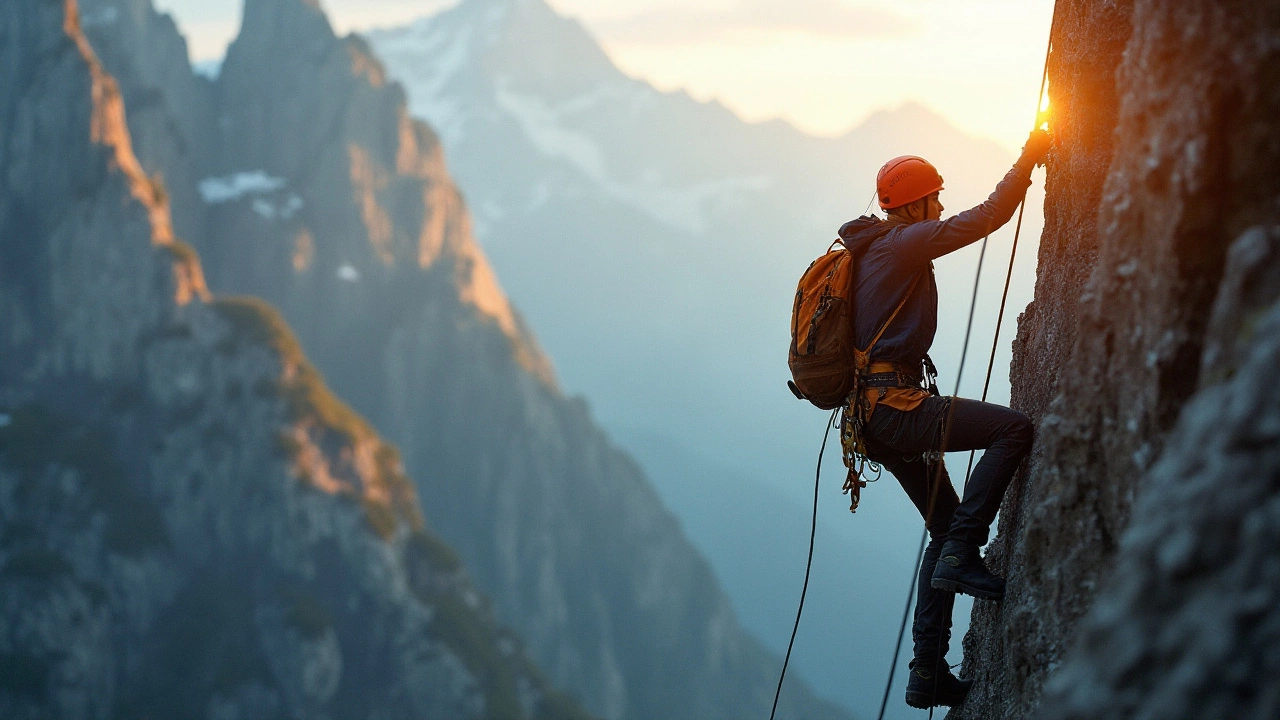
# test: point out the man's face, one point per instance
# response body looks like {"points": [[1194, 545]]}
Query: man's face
{"points": [[933, 208]]}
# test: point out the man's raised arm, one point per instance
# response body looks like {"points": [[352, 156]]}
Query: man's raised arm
{"points": [[925, 241]]}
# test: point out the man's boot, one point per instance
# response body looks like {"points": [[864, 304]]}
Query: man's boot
{"points": [[960, 570], [926, 688]]}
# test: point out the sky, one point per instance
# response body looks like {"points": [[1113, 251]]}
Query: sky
{"points": [[822, 65]]}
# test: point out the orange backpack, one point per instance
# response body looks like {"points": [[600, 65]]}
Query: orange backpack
{"points": [[825, 364]]}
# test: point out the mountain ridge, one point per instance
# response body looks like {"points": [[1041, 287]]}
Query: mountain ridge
{"points": [[193, 523]]}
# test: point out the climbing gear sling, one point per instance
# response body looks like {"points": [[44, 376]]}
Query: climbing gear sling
{"points": [[856, 412]]}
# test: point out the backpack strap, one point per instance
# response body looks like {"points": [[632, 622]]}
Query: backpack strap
{"points": [[857, 412], [887, 323]]}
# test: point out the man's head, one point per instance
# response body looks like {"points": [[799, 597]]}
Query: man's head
{"points": [[908, 188]]}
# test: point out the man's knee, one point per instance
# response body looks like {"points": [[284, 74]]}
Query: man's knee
{"points": [[1020, 432]]}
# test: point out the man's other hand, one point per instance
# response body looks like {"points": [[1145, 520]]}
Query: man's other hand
{"points": [[1037, 147]]}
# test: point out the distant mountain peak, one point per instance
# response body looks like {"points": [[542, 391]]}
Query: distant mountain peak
{"points": [[911, 114], [313, 5], [551, 46], [284, 18], [915, 128]]}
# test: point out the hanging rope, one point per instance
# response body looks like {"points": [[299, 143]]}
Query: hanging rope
{"points": [[813, 531], [1013, 254], [902, 628]]}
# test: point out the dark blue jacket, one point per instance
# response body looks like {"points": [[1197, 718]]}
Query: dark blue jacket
{"points": [[899, 252]]}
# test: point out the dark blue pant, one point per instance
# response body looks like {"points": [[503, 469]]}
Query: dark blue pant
{"points": [[900, 442]]}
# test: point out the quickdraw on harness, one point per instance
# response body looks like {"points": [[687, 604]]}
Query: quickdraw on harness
{"points": [[853, 418], [856, 411]]}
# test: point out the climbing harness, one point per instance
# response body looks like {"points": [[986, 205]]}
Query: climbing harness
{"points": [[856, 411]]}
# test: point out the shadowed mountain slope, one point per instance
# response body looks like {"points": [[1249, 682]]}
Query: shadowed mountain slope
{"points": [[192, 524]]}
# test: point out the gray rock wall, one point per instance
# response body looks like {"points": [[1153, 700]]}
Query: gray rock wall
{"points": [[1061, 517], [1158, 541], [164, 126], [1187, 626]]}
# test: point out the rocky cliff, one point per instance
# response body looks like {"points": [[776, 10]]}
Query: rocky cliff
{"points": [[1138, 542], [191, 524], [324, 197]]}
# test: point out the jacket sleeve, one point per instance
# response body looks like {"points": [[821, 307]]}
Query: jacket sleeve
{"points": [[922, 242]]}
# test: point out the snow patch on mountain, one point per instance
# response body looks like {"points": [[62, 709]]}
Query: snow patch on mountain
{"points": [[427, 88], [283, 209], [217, 190], [684, 207], [446, 52], [210, 69], [542, 124], [691, 207], [349, 273]]}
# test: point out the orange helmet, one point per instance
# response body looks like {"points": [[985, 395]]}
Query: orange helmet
{"points": [[906, 179]]}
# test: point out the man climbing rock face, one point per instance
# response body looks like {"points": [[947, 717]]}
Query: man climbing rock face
{"points": [[906, 424]]}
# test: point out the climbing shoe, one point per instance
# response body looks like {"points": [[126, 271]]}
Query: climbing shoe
{"points": [[960, 570], [926, 688]]}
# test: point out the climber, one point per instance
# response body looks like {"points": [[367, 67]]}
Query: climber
{"points": [[906, 425]]}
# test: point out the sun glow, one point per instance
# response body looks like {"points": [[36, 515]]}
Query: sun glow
{"points": [[1042, 116]]}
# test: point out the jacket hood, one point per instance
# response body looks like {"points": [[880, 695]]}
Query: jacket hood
{"points": [[865, 228]]}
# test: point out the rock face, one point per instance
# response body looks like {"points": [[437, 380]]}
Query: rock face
{"points": [[1164, 536], [325, 198], [1062, 517], [191, 525]]}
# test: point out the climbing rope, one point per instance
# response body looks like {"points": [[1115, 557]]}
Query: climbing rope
{"points": [[1004, 299], [1008, 278], [813, 531]]}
